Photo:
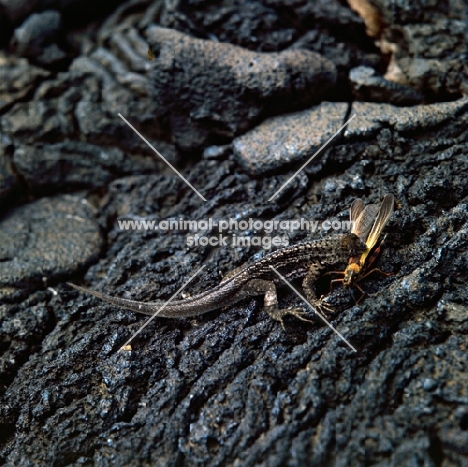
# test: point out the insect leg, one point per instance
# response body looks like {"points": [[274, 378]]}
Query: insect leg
{"points": [[386, 274]]}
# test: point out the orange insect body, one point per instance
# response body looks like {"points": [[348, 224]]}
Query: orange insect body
{"points": [[367, 223], [353, 271]]}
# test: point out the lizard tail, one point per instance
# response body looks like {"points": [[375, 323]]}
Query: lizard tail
{"points": [[147, 308]]}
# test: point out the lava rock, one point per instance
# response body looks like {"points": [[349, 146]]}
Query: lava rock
{"points": [[19, 79], [280, 141], [211, 89], [426, 45], [368, 86], [371, 116], [84, 103], [231, 386], [37, 38], [73, 164], [9, 182], [43, 241], [17, 10]]}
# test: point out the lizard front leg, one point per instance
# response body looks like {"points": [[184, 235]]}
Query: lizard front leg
{"points": [[312, 275], [268, 289]]}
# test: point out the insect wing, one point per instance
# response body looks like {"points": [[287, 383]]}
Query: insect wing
{"points": [[385, 212], [357, 207], [364, 222]]}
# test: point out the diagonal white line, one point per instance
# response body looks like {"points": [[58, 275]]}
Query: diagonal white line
{"points": [[313, 309], [161, 309], [291, 178], [162, 157]]}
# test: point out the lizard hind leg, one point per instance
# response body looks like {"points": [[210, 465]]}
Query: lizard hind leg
{"points": [[278, 314], [268, 289]]}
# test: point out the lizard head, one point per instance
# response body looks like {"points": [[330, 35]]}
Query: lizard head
{"points": [[353, 245]]}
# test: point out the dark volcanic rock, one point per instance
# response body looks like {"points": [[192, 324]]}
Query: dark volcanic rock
{"points": [[426, 44], [49, 114], [8, 180], [261, 25], [368, 86], [281, 141], [431, 58], [19, 78], [369, 117], [208, 88], [16, 10], [37, 38], [60, 110], [43, 241], [231, 387], [73, 164]]}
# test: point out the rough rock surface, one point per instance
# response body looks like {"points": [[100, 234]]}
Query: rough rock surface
{"points": [[425, 43], [45, 240], [369, 86], [294, 138], [38, 36], [280, 141], [229, 387], [19, 79], [208, 88]]}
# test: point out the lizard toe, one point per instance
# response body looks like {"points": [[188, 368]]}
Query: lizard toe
{"points": [[279, 314]]}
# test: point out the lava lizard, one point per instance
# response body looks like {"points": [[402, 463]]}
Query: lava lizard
{"points": [[306, 260]]}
